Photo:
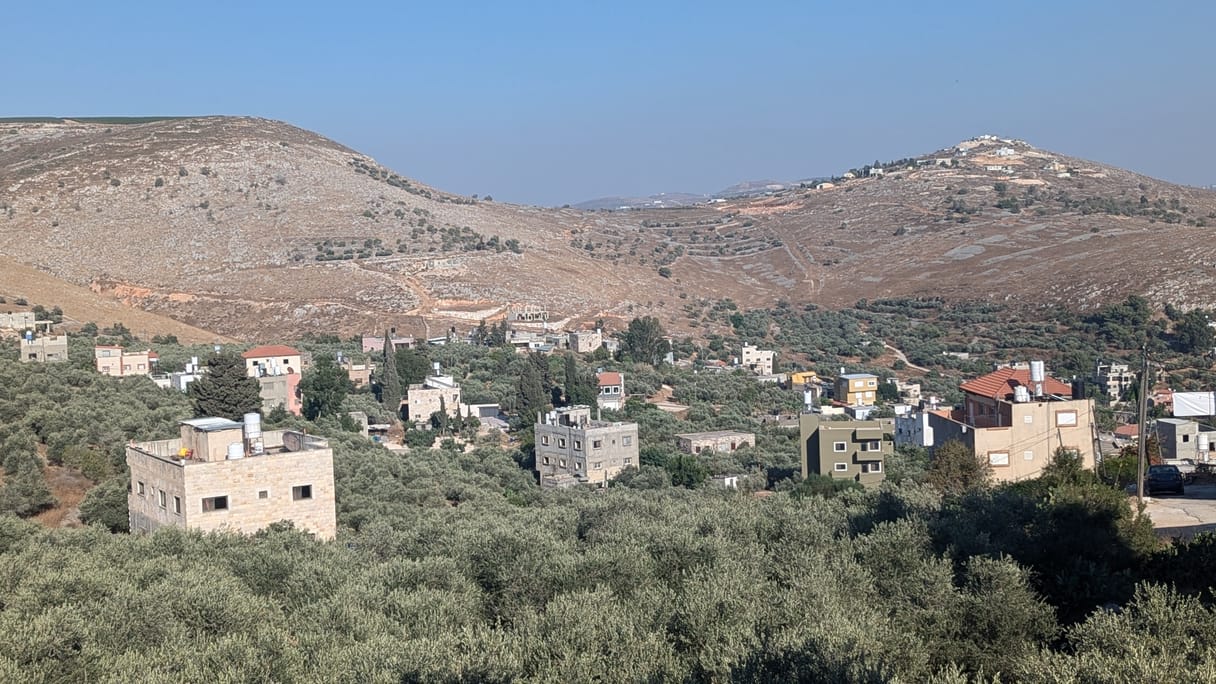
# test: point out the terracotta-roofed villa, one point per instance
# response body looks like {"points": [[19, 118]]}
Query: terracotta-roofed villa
{"points": [[1016, 418]]}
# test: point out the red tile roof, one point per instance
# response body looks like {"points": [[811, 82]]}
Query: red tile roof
{"points": [[269, 350], [1127, 431], [609, 378], [1000, 384]]}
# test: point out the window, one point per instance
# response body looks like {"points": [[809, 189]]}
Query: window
{"points": [[140, 488], [545, 460], [561, 442], [160, 498], [578, 465], [998, 458], [626, 441], [839, 447], [871, 467], [871, 445], [263, 494], [871, 383], [841, 467], [301, 492], [578, 445], [177, 505], [599, 465], [696, 450], [562, 463], [1186, 438], [544, 440], [1028, 455], [869, 395], [1066, 418], [215, 503], [1028, 419], [629, 461], [597, 444]]}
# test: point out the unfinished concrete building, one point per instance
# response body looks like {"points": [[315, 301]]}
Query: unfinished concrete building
{"points": [[573, 448]]}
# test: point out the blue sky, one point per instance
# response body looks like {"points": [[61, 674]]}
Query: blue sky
{"points": [[549, 103]]}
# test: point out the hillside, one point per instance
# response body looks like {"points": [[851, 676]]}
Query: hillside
{"points": [[259, 230]]}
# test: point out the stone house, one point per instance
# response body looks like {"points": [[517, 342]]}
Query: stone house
{"points": [[224, 475], [1015, 418]]}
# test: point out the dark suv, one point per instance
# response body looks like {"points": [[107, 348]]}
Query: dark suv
{"points": [[1163, 478]]}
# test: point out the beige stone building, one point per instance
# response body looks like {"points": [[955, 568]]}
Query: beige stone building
{"points": [[854, 450], [1016, 421], [360, 374], [45, 349], [572, 447], [17, 320], [722, 441], [585, 341], [435, 393], [120, 363], [758, 361], [224, 475], [857, 389]]}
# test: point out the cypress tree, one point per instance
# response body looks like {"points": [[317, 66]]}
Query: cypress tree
{"points": [[390, 381], [225, 391]]}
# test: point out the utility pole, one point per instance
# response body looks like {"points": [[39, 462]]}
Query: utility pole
{"points": [[1143, 418]]}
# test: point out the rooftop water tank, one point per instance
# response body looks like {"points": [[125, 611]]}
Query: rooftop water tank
{"points": [[236, 450], [253, 433], [1021, 394], [1037, 373]]}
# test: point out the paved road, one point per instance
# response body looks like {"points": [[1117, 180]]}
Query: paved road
{"points": [[1186, 515]]}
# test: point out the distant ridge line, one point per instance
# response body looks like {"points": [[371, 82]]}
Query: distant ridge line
{"points": [[98, 119]]}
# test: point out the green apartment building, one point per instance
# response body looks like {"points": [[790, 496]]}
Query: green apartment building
{"points": [[854, 450]]}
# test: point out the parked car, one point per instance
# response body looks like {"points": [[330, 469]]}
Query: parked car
{"points": [[1186, 466], [1163, 478]]}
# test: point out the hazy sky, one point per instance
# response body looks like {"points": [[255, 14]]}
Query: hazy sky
{"points": [[551, 103]]}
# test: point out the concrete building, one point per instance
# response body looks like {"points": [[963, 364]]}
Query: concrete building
{"points": [[1114, 379], [360, 374], [437, 392], [224, 475], [856, 389], [272, 359], [1180, 438], [854, 450], [281, 390], [45, 349], [118, 362], [758, 361], [723, 441], [913, 429], [612, 390], [800, 378], [375, 343], [17, 320], [585, 341], [570, 444], [527, 314], [1015, 419]]}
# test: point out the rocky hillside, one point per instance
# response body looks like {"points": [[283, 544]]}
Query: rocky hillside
{"points": [[259, 230]]}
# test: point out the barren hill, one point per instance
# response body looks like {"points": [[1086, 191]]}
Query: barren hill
{"points": [[258, 230]]}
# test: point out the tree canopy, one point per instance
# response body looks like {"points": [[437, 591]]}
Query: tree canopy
{"points": [[225, 391]]}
